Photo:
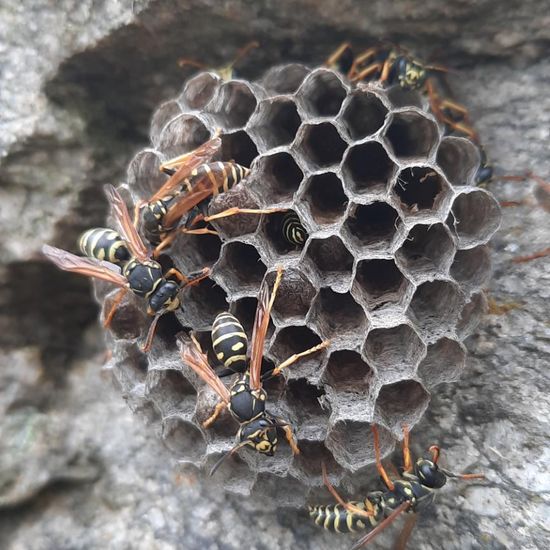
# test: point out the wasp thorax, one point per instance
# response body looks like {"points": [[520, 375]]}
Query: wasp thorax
{"points": [[143, 278], [429, 473]]}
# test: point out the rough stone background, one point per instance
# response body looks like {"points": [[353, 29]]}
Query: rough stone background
{"points": [[79, 80]]}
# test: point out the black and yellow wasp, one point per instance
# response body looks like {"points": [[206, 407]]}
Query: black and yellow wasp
{"points": [[246, 398], [184, 197], [122, 258], [411, 493]]}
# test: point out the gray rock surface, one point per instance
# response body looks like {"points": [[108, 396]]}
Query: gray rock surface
{"points": [[79, 82]]}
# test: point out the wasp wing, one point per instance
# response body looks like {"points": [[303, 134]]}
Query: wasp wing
{"points": [[186, 164], [84, 266], [182, 204], [261, 324], [198, 361], [124, 221]]}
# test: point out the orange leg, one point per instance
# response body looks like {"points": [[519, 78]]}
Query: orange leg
{"points": [[289, 436], [212, 418], [367, 72], [385, 71], [235, 210], [535, 256], [360, 60], [407, 461], [337, 54], [116, 302], [293, 358], [379, 465], [346, 505]]}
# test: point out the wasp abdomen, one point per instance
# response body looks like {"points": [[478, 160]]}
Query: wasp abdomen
{"points": [[223, 175], [105, 245], [293, 230], [229, 342], [336, 518]]}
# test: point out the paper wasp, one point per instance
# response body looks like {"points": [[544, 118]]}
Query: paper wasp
{"points": [[411, 493], [246, 398], [137, 272], [192, 181]]}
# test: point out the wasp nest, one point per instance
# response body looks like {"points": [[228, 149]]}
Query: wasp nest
{"points": [[391, 270]]}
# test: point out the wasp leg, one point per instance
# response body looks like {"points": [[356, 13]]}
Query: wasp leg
{"points": [[293, 358], [193, 279], [346, 505], [213, 417], [379, 465], [236, 210], [359, 60], [453, 106], [385, 71], [116, 302], [367, 72], [336, 54], [407, 461], [289, 436], [535, 256]]}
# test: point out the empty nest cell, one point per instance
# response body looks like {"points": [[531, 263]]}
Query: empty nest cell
{"points": [[200, 304], [274, 123], [372, 225], [130, 320], [279, 177], [471, 315], [338, 316], [234, 104], [363, 114], [332, 260], [401, 403], [240, 269], [367, 168], [244, 310], [474, 217], [420, 188], [325, 197], [164, 114], [295, 295], [312, 455], [200, 89], [303, 399], [435, 307], [427, 251], [238, 147], [285, 79], [198, 251], [183, 438], [346, 371], [458, 158], [394, 351], [321, 145], [400, 97], [379, 283], [472, 268], [444, 362], [144, 176], [181, 135], [322, 94], [411, 135]]}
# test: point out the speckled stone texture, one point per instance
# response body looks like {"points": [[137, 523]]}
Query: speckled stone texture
{"points": [[78, 470]]}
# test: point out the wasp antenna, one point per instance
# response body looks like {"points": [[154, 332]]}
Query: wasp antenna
{"points": [[227, 455]]}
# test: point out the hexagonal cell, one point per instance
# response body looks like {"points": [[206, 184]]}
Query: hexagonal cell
{"points": [[130, 320], [169, 390], [181, 135], [338, 316], [420, 188], [444, 362], [472, 268], [273, 229], [274, 123], [427, 251], [332, 260], [165, 334], [458, 158], [363, 114], [294, 296], [471, 315], [166, 112], [285, 79], [198, 251], [474, 217], [235, 472], [245, 311], [200, 89], [325, 197], [238, 147], [200, 304], [435, 307], [322, 93], [321, 145], [303, 399], [183, 438], [399, 97], [401, 403], [240, 269], [367, 168], [372, 225], [312, 455], [144, 176], [380, 284], [234, 104], [352, 443], [286, 491], [295, 339], [279, 176], [394, 351], [346, 371], [411, 135]]}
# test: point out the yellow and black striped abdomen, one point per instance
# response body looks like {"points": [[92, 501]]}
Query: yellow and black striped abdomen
{"points": [[222, 175], [293, 230], [105, 245], [229, 342], [336, 518]]}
